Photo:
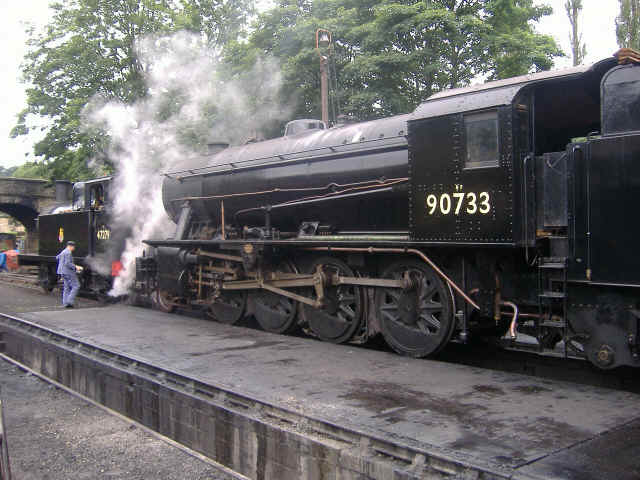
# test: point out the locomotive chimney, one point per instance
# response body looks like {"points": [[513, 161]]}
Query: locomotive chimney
{"points": [[63, 191]]}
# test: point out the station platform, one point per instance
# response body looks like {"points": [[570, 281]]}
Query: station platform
{"points": [[347, 412]]}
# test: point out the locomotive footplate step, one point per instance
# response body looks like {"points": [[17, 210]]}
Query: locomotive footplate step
{"points": [[505, 425]]}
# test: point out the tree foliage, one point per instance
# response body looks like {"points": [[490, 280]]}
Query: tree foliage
{"points": [[387, 56], [30, 170], [390, 55], [578, 48], [88, 49], [628, 24]]}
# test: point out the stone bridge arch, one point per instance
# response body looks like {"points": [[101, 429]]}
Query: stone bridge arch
{"points": [[25, 198]]}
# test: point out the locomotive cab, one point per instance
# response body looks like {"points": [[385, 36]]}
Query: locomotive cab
{"points": [[543, 164], [475, 186], [91, 194]]}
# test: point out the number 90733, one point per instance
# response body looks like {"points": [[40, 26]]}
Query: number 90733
{"points": [[459, 202]]}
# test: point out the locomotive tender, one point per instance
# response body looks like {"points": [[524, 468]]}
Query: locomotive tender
{"points": [[505, 209]]}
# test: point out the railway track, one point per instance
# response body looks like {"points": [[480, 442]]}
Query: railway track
{"points": [[20, 278]]}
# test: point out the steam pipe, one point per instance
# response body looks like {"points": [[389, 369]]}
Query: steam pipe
{"points": [[224, 236], [514, 320]]}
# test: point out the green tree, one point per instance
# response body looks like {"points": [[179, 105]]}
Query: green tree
{"points": [[88, 50], [578, 48], [513, 45], [31, 170], [628, 24], [220, 21], [390, 55]]}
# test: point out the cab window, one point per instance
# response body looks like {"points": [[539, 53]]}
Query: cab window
{"points": [[97, 196], [481, 132]]}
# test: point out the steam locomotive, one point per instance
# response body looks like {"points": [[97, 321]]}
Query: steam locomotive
{"points": [[81, 215], [505, 209]]}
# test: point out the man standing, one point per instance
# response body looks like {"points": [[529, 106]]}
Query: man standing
{"points": [[67, 269]]}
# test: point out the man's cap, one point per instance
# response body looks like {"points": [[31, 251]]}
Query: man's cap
{"points": [[71, 243]]}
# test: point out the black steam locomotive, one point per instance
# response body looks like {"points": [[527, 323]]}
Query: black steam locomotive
{"points": [[494, 209], [83, 218]]}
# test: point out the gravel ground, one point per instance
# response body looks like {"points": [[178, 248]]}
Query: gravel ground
{"points": [[55, 436]]}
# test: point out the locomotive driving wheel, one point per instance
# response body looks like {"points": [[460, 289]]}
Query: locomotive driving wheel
{"points": [[341, 315], [275, 313], [228, 308], [162, 301], [416, 321]]}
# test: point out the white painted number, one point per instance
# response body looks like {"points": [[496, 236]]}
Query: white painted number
{"points": [[471, 206], [485, 207], [445, 203], [460, 197], [432, 203], [475, 203]]}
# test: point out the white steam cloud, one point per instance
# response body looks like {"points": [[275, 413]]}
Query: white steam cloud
{"points": [[192, 97]]}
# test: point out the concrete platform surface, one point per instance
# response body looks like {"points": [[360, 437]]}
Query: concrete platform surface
{"points": [[541, 428]]}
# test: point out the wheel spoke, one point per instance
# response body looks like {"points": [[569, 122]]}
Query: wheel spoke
{"points": [[427, 291], [341, 318], [423, 327], [348, 310], [431, 306], [389, 306], [391, 316], [431, 320]]}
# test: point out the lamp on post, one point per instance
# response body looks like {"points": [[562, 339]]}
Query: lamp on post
{"points": [[323, 44]]}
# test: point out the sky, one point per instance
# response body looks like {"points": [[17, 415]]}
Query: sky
{"points": [[597, 24]]}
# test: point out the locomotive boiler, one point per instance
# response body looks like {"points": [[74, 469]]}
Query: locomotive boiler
{"points": [[505, 209]]}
